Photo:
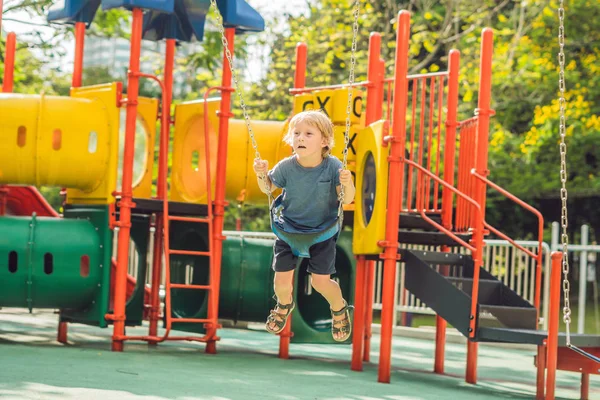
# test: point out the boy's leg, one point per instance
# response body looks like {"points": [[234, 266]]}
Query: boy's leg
{"points": [[333, 294], [284, 264], [321, 266], [328, 289]]}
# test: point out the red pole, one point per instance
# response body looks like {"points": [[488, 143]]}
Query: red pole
{"points": [[370, 271], [585, 386], [75, 82], [79, 45], [299, 82], [359, 314], [301, 58], [541, 372], [219, 202], [373, 104], [375, 79], [9, 63], [447, 196], [165, 125], [126, 203], [394, 203], [483, 111], [553, 317]]}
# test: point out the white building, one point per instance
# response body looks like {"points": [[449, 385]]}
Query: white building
{"points": [[113, 54]]}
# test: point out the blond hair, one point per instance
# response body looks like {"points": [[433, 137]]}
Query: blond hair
{"points": [[317, 119]]}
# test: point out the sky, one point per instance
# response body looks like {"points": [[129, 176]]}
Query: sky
{"points": [[23, 24]]}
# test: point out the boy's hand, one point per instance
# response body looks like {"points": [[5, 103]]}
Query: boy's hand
{"points": [[346, 178], [261, 167]]}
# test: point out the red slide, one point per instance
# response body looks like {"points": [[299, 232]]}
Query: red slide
{"points": [[25, 200]]}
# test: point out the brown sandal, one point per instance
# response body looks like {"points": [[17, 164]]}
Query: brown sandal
{"points": [[279, 319], [343, 326]]}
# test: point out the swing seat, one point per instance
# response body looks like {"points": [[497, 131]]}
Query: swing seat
{"points": [[299, 242]]}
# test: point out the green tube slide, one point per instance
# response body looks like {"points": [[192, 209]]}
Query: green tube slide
{"points": [[247, 283], [48, 262]]}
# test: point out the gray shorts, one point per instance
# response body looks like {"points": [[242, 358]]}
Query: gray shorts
{"points": [[321, 261]]}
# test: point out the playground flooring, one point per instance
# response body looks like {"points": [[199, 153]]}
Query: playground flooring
{"points": [[34, 366]]}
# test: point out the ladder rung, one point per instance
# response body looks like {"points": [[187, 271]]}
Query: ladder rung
{"points": [[191, 320], [184, 286], [190, 253], [189, 219]]}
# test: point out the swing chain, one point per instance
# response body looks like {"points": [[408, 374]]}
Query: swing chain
{"points": [[239, 91], [563, 171], [356, 14]]}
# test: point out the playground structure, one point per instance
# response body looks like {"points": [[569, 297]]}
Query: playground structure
{"points": [[407, 174]]}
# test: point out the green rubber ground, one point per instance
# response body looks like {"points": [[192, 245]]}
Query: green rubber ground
{"points": [[34, 366]]}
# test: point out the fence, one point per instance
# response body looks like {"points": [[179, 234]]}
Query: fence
{"points": [[587, 254]]}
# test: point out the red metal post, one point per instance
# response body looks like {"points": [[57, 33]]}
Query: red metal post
{"points": [[375, 78], [359, 314], [394, 203], [79, 45], [126, 202], [450, 145], [541, 372], [301, 58], [165, 128], [299, 82], [370, 271], [219, 202], [585, 386], [485, 89], [9, 63], [61, 335], [447, 196], [553, 317]]}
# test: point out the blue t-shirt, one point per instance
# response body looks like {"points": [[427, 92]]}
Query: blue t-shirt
{"points": [[310, 201]]}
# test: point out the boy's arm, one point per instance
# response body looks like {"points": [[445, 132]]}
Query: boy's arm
{"points": [[349, 189], [265, 184]]}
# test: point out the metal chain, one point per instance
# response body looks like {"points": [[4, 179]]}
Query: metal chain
{"points": [[238, 90], [356, 14], [240, 94], [563, 170]]}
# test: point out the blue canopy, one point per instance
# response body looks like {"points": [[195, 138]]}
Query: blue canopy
{"points": [[189, 18], [73, 11]]}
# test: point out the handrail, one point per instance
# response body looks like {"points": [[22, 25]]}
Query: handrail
{"points": [[467, 121], [510, 240], [421, 76], [340, 86], [538, 257], [454, 190]]}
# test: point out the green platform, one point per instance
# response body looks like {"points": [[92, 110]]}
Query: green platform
{"points": [[34, 366]]}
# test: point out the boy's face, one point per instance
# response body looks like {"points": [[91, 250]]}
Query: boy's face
{"points": [[308, 141]]}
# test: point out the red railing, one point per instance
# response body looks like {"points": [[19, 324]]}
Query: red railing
{"points": [[537, 257], [427, 102], [466, 161]]}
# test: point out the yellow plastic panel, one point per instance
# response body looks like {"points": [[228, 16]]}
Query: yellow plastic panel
{"points": [[340, 104], [147, 111], [106, 116], [338, 137], [51, 140], [324, 101], [371, 195], [189, 165], [303, 102], [241, 179], [188, 177]]}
